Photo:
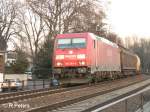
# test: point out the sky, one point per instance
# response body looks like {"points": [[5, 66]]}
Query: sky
{"points": [[129, 17]]}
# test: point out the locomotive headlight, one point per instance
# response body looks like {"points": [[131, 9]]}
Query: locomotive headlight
{"points": [[82, 63], [59, 64], [81, 56], [59, 56]]}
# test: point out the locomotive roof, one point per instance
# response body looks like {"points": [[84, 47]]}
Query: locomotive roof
{"points": [[105, 40]]}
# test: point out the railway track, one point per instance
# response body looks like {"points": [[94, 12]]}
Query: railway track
{"points": [[105, 101], [16, 96], [66, 97], [80, 98], [2, 95]]}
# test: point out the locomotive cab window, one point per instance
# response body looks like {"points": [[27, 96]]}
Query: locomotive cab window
{"points": [[79, 42], [71, 43], [64, 43]]}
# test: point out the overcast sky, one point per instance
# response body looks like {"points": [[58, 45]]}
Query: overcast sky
{"points": [[129, 17]]}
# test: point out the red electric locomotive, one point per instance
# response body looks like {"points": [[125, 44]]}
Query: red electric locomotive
{"points": [[80, 55]]}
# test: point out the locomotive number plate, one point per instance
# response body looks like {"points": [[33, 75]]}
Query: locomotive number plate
{"points": [[70, 56]]}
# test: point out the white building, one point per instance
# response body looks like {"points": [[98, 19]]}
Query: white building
{"points": [[10, 57]]}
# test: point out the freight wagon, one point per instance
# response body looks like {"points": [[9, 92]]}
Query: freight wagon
{"points": [[87, 56], [130, 62]]}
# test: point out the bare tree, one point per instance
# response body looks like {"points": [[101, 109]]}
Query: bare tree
{"points": [[31, 31], [8, 13], [49, 10], [89, 15], [63, 16]]}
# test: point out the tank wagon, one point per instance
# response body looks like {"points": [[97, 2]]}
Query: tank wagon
{"points": [[87, 56]]}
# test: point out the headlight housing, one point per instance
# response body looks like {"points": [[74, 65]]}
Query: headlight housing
{"points": [[81, 56], [59, 56], [82, 63], [59, 64]]}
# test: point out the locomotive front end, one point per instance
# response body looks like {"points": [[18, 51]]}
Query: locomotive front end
{"points": [[70, 54]]}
